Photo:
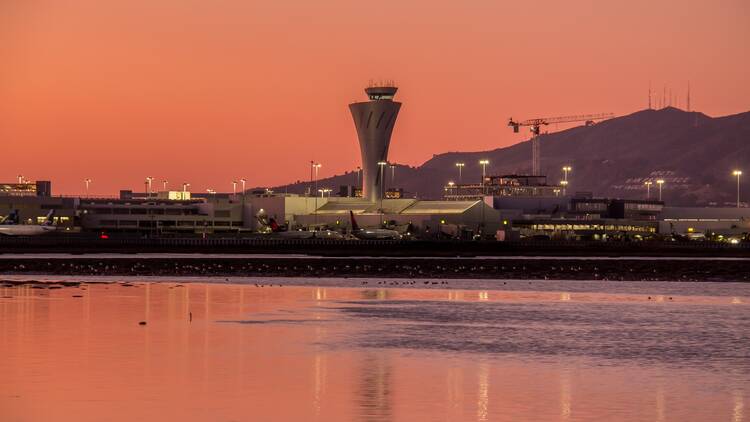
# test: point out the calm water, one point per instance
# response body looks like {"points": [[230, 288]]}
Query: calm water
{"points": [[343, 351]]}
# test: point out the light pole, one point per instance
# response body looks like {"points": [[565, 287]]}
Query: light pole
{"points": [[660, 183], [164, 185], [359, 174], [484, 163], [393, 175], [234, 189], [316, 167], [87, 182], [149, 180], [460, 171], [565, 170], [738, 173], [20, 178], [185, 186], [451, 187], [312, 167], [243, 181], [648, 184], [382, 165], [564, 184]]}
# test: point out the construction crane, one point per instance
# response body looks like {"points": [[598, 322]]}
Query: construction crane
{"points": [[535, 124]]}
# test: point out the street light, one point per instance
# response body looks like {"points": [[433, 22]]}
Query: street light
{"points": [[660, 183], [648, 184], [565, 170], [393, 175], [20, 179], [564, 184], [185, 186], [164, 185], [460, 170], [149, 180], [738, 173], [382, 165], [87, 182], [243, 181], [484, 163], [316, 167], [234, 189], [359, 174]]}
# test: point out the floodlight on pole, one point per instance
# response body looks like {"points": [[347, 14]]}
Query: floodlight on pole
{"points": [[484, 164], [660, 183], [738, 173], [648, 184], [382, 165], [565, 170], [460, 170], [149, 181]]}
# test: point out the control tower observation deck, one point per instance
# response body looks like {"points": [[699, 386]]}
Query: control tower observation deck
{"points": [[374, 121]]}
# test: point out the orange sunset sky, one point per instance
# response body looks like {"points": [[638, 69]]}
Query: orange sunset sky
{"points": [[213, 91]]}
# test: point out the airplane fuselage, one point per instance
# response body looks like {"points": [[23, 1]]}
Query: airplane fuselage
{"points": [[25, 229], [376, 234]]}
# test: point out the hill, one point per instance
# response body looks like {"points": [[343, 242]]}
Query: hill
{"points": [[692, 152]]}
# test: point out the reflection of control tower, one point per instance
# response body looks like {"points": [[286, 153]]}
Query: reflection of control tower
{"points": [[374, 120]]}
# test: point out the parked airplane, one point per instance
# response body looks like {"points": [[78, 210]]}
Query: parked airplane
{"points": [[273, 229], [10, 226], [372, 234]]}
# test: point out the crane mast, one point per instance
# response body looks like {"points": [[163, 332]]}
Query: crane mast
{"points": [[536, 124]]}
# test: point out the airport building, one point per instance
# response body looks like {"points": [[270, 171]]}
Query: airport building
{"points": [[503, 186]]}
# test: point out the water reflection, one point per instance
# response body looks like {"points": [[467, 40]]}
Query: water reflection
{"points": [[374, 388], [566, 401], [483, 398], [739, 406], [337, 354]]}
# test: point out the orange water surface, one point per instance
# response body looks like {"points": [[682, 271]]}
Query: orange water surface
{"points": [[225, 352]]}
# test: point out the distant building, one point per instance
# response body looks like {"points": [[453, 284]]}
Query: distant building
{"points": [[501, 186], [38, 188]]}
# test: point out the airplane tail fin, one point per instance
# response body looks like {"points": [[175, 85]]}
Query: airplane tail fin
{"points": [[50, 218], [355, 226], [12, 218]]}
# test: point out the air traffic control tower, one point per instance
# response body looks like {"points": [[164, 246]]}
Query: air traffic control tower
{"points": [[374, 120]]}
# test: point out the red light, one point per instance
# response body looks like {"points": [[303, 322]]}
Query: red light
{"points": [[104, 236]]}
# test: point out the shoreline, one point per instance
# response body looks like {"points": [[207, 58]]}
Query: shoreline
{"points": [[527, 268]]}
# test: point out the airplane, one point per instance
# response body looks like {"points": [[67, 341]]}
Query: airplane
{"points": [[10, 227], [272, 228], [372, 234]]}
